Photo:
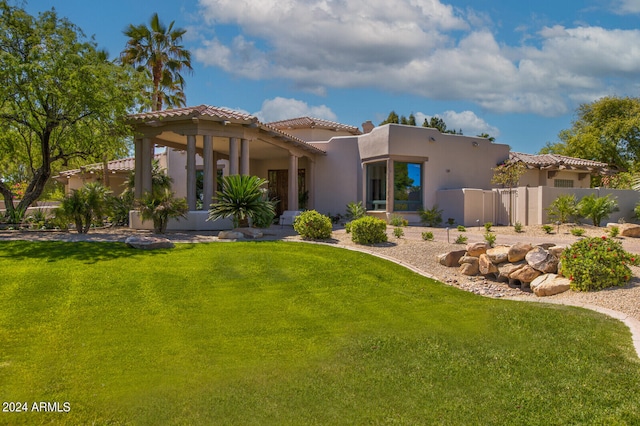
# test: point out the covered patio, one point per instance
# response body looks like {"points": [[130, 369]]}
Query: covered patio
{"points": [[213, 133]]}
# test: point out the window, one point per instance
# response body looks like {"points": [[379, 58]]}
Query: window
{"points": [[563, 183], [407, 186], [377, 186]]}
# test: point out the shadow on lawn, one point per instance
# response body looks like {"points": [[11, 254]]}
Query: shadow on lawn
{"points": [[87, 252]]}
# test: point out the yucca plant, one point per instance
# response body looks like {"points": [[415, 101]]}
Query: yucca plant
{"points": [[242, 199], [160, 206]]}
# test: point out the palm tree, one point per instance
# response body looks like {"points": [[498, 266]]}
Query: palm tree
{"points": [[241, 198], [84, 206], [157, 51], [160, 206]]}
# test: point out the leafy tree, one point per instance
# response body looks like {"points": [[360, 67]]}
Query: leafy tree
{"points": [[157, 50], [597, 208], [607, 130], [412, 120], [508, 175], [84, 206], [242, 199], [563, 208], [436, 123], [391, 119], [487, 136], [61, 100]]}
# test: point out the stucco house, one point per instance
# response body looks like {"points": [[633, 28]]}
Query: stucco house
{"points": [[319, 164]]}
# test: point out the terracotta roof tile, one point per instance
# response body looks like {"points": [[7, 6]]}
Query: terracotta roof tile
{"points": [[196, 111], [120, 165], [310, 122], [547, 160]]}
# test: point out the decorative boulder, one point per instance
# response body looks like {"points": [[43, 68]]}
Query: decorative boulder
{"points": [[541, 260], [499, 254], [557, 250], [525, 275], [230, 235], [518, 251], [627, 229], [487, 266], [476, 249], [452, 258], [251, 233], [506, 269], [550, 284], [148, 243], [470, 266]]}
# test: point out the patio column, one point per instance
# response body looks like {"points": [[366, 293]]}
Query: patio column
{"points": [[390, 194], [191, 172], [311, 180], [143, 166], [233, 156], [293, 183], [209, 166], [244, 156]]}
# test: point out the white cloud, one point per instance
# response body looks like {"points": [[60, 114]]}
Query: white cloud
{"points": [[623, 7], [421, 47], [468, 121], [282, 108]]}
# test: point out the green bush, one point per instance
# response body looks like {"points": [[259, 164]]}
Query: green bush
{"points": [[398, 220], [451, 221], [427, 236], [547, 228], [563, 208], [597, 263], [347, 227], [398, 232], [578, 232], [597, 208], [614, 231], [369, 230], [518, 227], [312, 225], [355, 211], [490, 238], [431, 217], [487, 226], [462, 228], [461, 239]]}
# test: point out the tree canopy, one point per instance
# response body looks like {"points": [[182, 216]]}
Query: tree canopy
{"points": [[607, 130], [435, 122], [157, 51], [61, 99]]}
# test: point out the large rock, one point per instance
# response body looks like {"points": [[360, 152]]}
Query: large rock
{"points": [[518, 251], [452, 258], [506, 269], [499, 254], [557, 250], [251, 233], [148, 243], [541, 260], [476, 249], [230, 235], [470, 268], [550, 284], [487, 266], [525, 275], [627, 229]]}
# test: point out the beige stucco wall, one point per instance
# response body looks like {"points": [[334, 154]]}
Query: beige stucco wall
{"points": [[309, 135], [537, 177]]}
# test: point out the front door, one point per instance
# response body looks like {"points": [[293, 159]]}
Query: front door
{"points": [[279, 189]]}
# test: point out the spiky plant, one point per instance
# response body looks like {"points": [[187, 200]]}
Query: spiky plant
{"points": [[242, 199], [160, 206]]}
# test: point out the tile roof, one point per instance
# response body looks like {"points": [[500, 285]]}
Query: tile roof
{"points": [[121, 165], [196, 111], [310, 122], [551, 160]]}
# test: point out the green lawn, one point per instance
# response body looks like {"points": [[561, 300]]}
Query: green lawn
{"points": [[291, 333]]}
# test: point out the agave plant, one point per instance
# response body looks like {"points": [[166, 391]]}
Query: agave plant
{"points": [[242, 198], [160, 206]]}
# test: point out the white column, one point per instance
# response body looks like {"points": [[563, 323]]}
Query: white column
{"points": [[293, 183], [146, 166], [390, 195], [311, 181], [244, 156], [233, 156], [209, 167], [191, 172]]}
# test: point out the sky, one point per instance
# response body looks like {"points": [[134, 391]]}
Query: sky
{"points": [[514, 70]]}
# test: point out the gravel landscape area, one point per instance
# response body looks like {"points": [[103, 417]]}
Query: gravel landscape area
{"points": [[412, 250]]}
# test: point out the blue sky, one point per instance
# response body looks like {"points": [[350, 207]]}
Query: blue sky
{"points": [[515, 70]]}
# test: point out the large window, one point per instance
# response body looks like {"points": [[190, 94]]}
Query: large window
{"points": [[407, 186], [377, 186]]}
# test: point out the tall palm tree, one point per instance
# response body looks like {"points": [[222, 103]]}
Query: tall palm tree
{"points": [[157, 50]]}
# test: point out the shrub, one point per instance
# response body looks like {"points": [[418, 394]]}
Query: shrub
{"points": [[462, 228], [461, 239], [355, 211], [431, 217], [241, 198], [84, 206], [369, 230], [312, 225], [490, 238], [160, 206], [547, 228], [398, 220], [451, 221], [597, 208], [487, 226], [347, 227], [427, 236], [614, 231], [563, 208], [518, 227], [578, 232], [398, 232], [597, 263]]}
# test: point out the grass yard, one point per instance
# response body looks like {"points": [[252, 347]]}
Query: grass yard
{"points": [[290, 333]]}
